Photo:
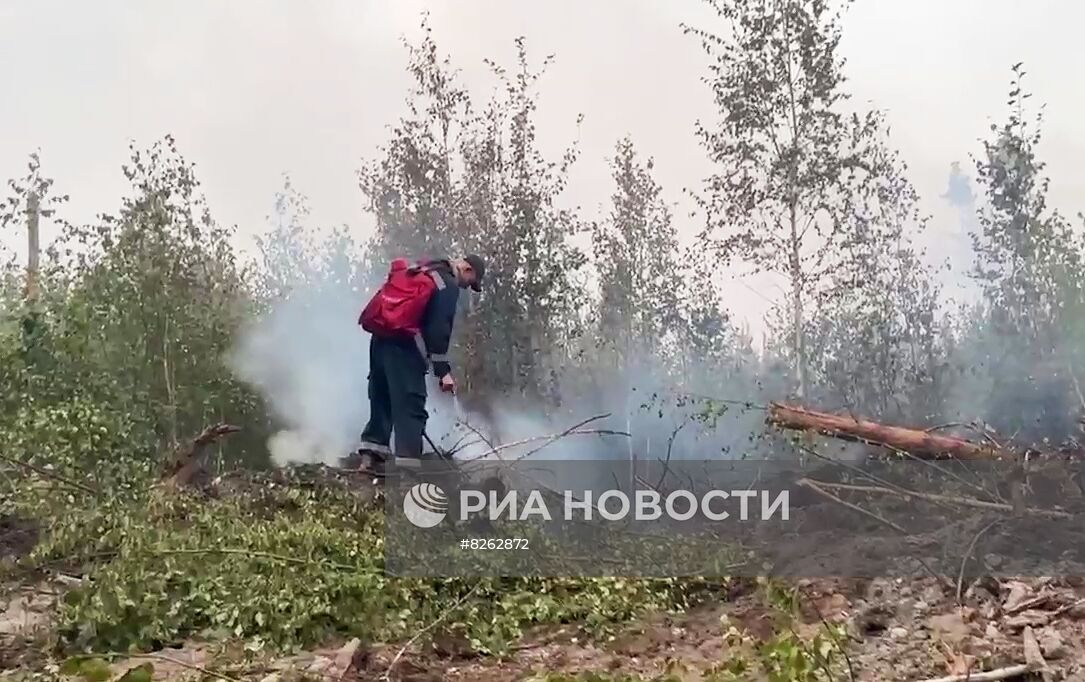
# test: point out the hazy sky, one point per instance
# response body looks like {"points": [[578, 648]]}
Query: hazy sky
{"points": [[253, 88]]}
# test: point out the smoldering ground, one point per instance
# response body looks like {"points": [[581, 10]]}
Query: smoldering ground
{"points": [[309, 360]]}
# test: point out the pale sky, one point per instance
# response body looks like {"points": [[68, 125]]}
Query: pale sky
{"points": [[254, 88]]}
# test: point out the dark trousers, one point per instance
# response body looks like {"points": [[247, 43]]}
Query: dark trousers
{"points": [[397, 397]]}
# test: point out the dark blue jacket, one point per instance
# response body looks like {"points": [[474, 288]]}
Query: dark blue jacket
{"points": [[439, 317]]}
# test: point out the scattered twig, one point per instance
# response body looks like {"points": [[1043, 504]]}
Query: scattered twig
{"points": [[816, 487], [49, 474], [1030, 603], [459, 445], [939, 427], [154, 655], [573, 430], [934, 497], [1064, 609], [1006, 673], [831, 632], [667, 461], [968, 555], [185, 664], [255, 555], [444, 614], [478, 433], [942, 470], [637, 478], [576, 428], [851, 467]]}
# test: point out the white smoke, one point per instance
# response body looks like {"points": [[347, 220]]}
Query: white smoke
{"points": [[309, 360]]}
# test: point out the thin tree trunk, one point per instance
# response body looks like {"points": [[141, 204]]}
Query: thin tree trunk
{"points": [[33, 251], [796, 307], [796, 239], [168, 376]]}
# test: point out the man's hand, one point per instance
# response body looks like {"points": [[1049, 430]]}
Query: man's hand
{"points": [[448, 385]]}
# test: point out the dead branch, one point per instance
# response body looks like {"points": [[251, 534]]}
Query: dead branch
{"points": [[452, 609], [1007, 673], [667, 462], [184, 465], [850, 467], [573, 430], [455, 448], [49, 474], [950, 499], [917, 442], [816, 487], [154, 655], [967, 556], [1033, 657]]}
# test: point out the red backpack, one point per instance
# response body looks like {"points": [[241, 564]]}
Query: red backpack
{"points": [[397, 307]]}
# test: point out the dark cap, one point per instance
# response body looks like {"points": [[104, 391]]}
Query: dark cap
{"points": [[479, 266]]}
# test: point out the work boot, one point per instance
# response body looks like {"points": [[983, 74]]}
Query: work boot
{"points": [[371, 460]]}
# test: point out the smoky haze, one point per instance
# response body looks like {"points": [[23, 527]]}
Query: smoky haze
{"points": [[956, 247], [308, 359], [115, 70], [251, 89]]}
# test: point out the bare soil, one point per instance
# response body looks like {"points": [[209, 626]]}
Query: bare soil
{"points": [[17, 537]]}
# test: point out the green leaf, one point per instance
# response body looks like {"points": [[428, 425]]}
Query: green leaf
{"points": [[141, 673], [71, 666], [95, 670]]}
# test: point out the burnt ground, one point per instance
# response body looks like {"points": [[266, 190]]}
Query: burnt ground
{"points": [[17, 537], [960, 592], [969, 614], [900, 630]]}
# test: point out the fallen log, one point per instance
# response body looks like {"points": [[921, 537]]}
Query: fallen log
{"points": [[921, 444]]}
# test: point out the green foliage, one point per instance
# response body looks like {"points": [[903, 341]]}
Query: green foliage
{"points": [[454, 179], [811, 192], [119, 356], [286, 564], [292, 579], [33, 186], [1029, 263], [786, 656], [135, 315], [95, 669], [636, 251], [89, 669]]}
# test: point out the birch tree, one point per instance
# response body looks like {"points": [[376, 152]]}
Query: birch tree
{"points": [[1030, 268], [454, 179], [795, 171], [636, 252]]}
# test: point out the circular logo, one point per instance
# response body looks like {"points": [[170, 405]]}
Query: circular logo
{"points": [[425, 505]]}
